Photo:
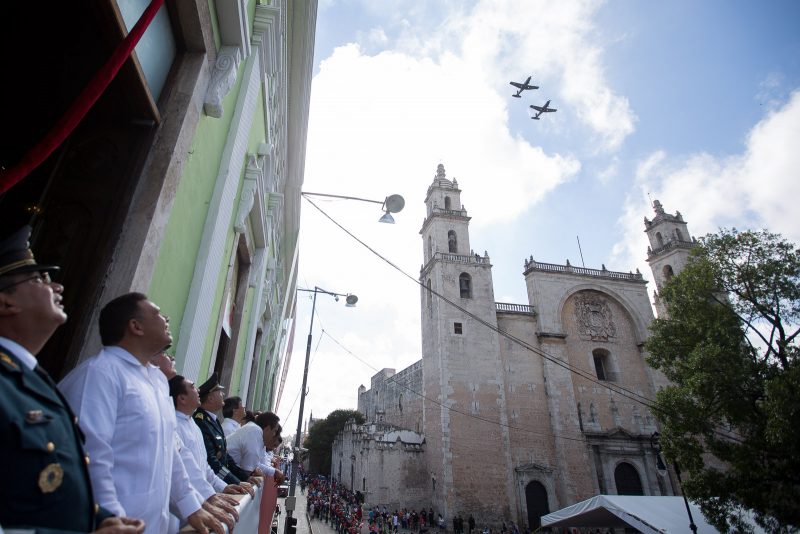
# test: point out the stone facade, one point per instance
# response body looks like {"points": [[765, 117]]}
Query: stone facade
{"points": [[525, 408]]}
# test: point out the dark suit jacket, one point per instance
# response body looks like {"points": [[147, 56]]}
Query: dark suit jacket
{"points": [[44, 480], [217, 449]]}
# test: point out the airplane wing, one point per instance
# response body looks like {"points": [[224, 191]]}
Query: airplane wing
{"points": [[548, 110], [531, 86], [516, 84], [538, 108]]}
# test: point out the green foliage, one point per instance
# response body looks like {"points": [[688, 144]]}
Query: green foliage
{"points": [[321, 436], [731, 419]]}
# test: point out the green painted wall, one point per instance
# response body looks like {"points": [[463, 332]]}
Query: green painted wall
{"points": [[177, 257]]}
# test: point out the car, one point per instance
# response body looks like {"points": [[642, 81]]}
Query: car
{"points": [[283, 490]]}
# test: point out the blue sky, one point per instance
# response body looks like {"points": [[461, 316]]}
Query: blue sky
{"points": [[695, 103]]}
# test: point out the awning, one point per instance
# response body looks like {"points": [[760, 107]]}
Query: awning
{"points": [[648, 514]]}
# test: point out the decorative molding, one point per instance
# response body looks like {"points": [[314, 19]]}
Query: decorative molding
{"points": [[247, 198], [223, 78], [593, 316]]}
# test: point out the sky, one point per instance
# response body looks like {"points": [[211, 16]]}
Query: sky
{"points": [[693, 103]]}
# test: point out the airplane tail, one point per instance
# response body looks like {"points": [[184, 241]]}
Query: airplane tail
{"points": [[516, 96]]}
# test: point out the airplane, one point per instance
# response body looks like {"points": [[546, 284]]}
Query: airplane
{"points": [[542, 109], [523, 86]]}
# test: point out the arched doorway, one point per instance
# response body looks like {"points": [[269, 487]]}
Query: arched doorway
{"points": [[536, 502], [627, 480]]}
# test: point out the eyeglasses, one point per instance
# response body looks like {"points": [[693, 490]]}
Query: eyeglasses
{"points": [[40, 278]]}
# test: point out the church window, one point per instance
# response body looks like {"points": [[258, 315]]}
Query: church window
{"points": [[400, 403], [627, 480], [457, 328], [447, 203], [452, 242], [430, 247], [659, 239], [429, 295], [465, 286], [602, 362], [678, 234], [668, 272]]}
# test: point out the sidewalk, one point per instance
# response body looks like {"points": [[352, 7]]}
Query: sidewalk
{"points": [[304, 526]]}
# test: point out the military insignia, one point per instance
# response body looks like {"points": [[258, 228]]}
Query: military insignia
{"points": [[199, 415], [34, 416], [6, 359], [50, 478]]}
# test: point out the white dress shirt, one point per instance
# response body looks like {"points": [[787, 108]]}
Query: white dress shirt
{"points": [[125, 411], [200, 473], [229, 426], [246, 447]]}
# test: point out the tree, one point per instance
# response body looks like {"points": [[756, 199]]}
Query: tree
{"points": [[731, 418], [321, 436]]}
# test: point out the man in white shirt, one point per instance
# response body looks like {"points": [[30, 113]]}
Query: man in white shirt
{"points": [[248, 446], [187, 399], [125, 412], [233, 411]]}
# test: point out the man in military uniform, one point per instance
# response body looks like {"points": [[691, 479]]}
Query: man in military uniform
{"points": [[45, 481], [212, 397]]}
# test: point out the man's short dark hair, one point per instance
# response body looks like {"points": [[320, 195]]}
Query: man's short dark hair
{"points": [[230, 405], [267, 419], [115, 315], [177, 386]]}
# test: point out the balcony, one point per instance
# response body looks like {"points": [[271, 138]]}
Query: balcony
{"points": [[532, 265], [249, 513], [504, 307]]}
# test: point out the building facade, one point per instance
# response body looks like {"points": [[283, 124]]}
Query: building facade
{"points": [[183, 180], [524, 408]]}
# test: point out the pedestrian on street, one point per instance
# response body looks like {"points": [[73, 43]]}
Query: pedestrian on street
{"points": [[471, 523]]}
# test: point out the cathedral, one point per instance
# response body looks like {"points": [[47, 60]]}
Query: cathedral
{"points": [[515, 410]]}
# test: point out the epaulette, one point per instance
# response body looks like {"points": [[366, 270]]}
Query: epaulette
{"points": [[7, 362], [200, 415]]}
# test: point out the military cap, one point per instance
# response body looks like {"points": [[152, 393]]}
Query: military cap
{"points": [[16, 255], [210, 385]]}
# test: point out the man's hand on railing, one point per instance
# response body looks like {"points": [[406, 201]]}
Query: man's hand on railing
{"points": [[248, 488], [234, 489], [121, 525], [203, 522], [226, 503], [256, 478], [279, 477]]}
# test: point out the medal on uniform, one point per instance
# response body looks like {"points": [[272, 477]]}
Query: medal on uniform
{"points": [[50, 478]]}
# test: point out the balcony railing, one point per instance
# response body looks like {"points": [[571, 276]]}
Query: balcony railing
{"points": [[514, 308], [443, 211], [532, 265], [461, 258], [669, 245], [249, 509]]}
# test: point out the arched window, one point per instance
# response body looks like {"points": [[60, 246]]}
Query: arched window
{"points": [[602, 364], [536, 501], [430, 247], [465, 286], [452, 242], [678, 234], [447, 203], [668, 272], [627, 480], [659, 239], [429, 295]]}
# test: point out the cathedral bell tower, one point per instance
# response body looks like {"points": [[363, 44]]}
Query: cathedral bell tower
{"points": [[461, 361], [669, 248]]}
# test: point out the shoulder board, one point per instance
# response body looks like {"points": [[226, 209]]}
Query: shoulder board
{"points": [[7, 362], [200, 415]]}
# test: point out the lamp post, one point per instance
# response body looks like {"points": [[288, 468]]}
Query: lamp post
{"points": [[391, 204], [350, 301], [662, 469]]}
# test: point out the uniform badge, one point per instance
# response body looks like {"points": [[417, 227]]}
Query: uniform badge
{"points": [[34, 416], [50, 478], [6, 359]]}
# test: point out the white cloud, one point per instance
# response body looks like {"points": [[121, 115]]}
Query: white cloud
{"points": [[758, 188]]}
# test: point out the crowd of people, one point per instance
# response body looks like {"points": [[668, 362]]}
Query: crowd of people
{"points": [[333, 503], [123, 444]]}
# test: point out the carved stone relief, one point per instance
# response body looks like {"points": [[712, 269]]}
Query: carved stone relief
{"points": [[593, 316], [222, 79]]}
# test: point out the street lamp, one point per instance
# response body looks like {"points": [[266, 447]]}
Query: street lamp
{"points": [[350, 302], [662, 470], [391, 204]]}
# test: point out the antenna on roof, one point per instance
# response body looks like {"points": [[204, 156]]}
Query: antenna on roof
{"points": [[650, 200], [579, 250]]}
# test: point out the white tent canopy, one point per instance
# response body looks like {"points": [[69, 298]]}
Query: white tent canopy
{"points": [[648, 514]]}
